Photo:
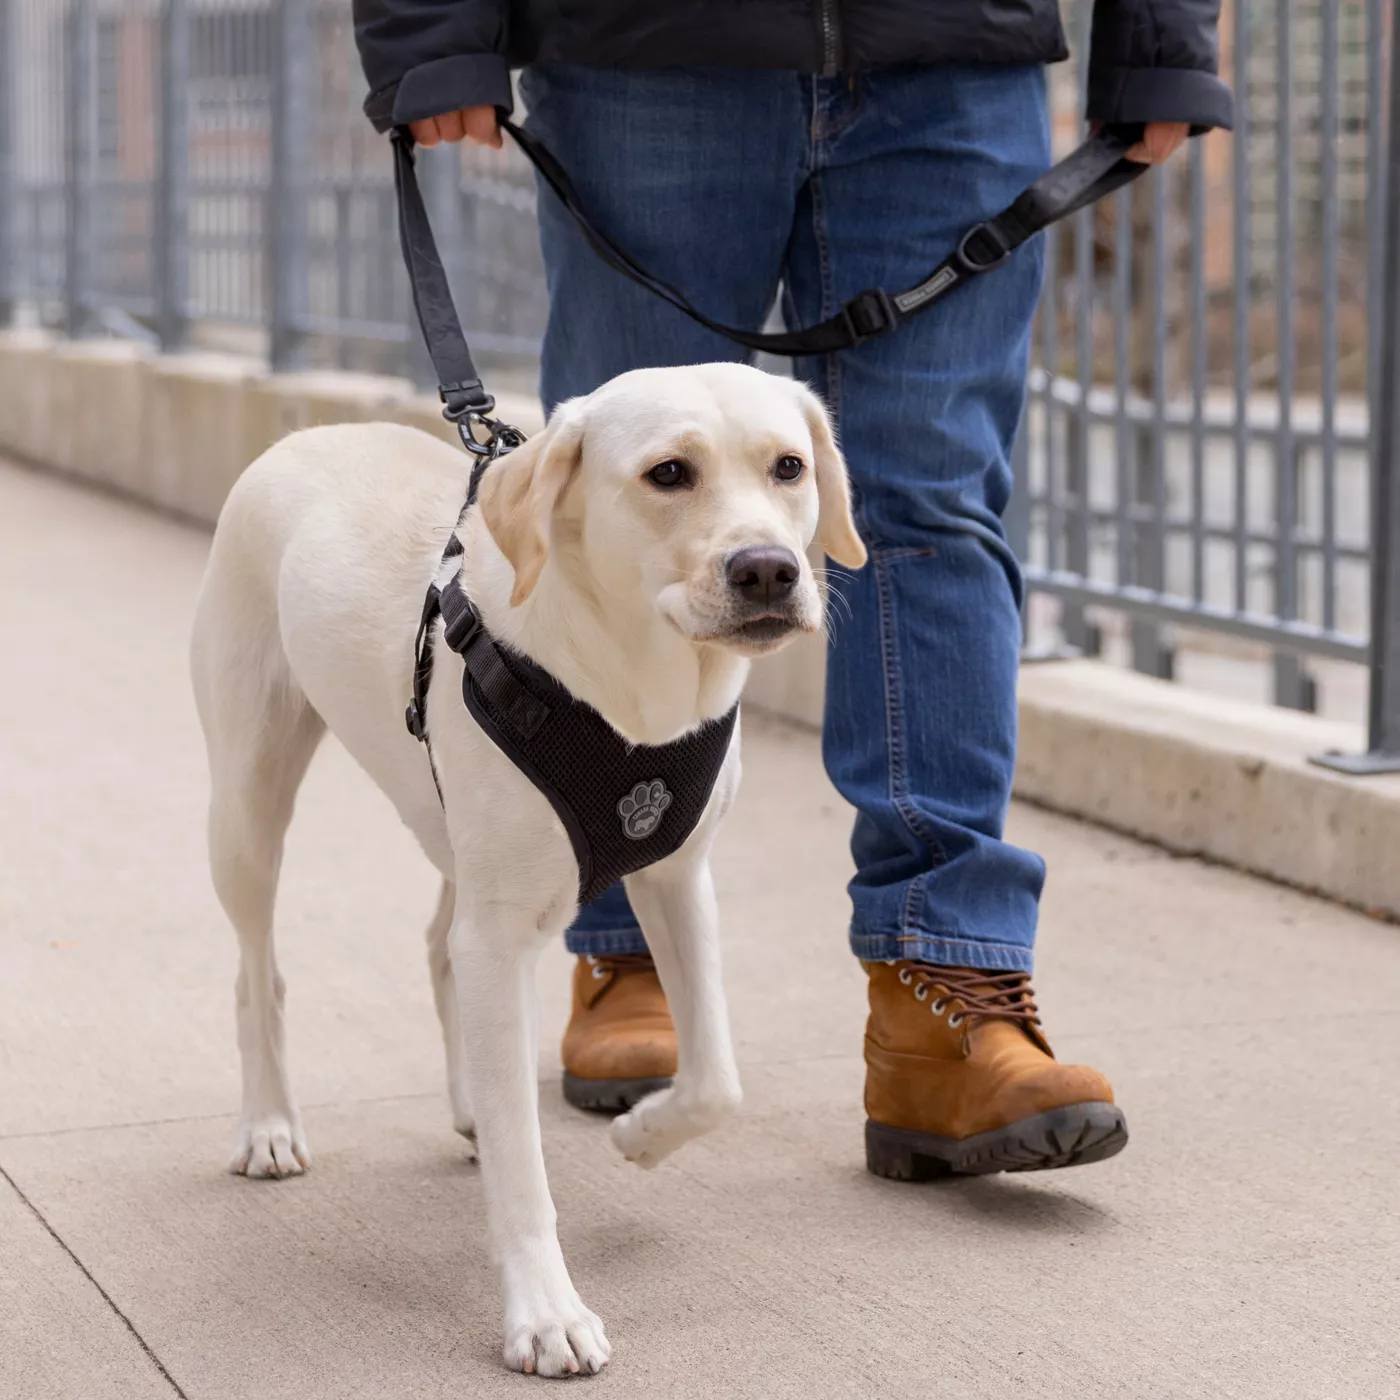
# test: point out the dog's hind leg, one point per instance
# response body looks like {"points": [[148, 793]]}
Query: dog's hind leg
{"points": [[445, 995], [261, 732]]}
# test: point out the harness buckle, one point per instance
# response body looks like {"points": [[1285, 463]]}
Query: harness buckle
{"points": [[868, 314], [461, 626], [991, 234], [417, 725]]}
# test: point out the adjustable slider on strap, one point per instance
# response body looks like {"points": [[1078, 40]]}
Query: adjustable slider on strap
{"points": [[987, 237], [417, 724], [868, 314], [461, 626]]}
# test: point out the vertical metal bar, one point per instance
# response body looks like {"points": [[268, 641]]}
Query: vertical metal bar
{"points": [[9, 164], [1375, 207], [1122, 383], [1149, 653], [1330, 80], [288, 251], [1050, 354], [1198, 370], [79, 164], [1290, 680], [1080, 536], [344, 306], [1078, 482], [172, 176], [1384, 708], [1243, 302]]}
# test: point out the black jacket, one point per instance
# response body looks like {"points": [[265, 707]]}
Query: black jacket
{"points": [[1150, 60]]}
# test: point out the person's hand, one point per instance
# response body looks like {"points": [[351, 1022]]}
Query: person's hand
{"points": [[477, 124], [1159, 141]]}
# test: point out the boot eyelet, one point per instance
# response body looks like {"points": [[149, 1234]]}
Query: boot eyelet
{"points": [[938, 1006], [921, 991], [956, 1019], [599, 973], [906, 975]]}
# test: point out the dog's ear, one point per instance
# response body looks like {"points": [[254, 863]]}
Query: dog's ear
{"points": [[519, 493], [836, 529]]}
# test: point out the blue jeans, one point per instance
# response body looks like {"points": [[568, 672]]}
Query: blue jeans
{"points": [[726, 182]]}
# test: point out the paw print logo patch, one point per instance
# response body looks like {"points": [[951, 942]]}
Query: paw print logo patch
{"points": [[641, 809]]}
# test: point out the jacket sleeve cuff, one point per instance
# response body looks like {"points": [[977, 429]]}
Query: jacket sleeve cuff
{"points": [[1160, 95], [444, 85]]}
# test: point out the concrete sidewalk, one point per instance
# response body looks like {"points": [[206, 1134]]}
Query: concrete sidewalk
{"points": [[1246, 1244]]}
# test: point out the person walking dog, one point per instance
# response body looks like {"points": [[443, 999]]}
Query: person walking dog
{"points": [[733, 146]]}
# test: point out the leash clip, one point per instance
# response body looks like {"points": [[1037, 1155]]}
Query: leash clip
{"points": [[487, 437]]}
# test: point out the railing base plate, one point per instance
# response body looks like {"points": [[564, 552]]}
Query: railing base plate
{"points": [[1358, 765]]}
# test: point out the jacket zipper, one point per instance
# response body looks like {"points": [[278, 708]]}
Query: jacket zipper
{"points": [[831, 37]]}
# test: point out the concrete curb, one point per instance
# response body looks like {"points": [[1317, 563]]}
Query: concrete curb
{"points": [[1195, 773], [1211, 777]]}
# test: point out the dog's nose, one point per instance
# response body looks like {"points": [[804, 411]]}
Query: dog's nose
{"points": [[763, 574]]}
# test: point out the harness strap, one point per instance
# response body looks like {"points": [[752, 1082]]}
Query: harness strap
{"points": [[463, 633]]}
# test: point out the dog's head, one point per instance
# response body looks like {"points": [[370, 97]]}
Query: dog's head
{"points": [[695, 491]]}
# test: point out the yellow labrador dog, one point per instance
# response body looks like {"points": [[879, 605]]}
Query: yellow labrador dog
{"points": [[641, 549]]}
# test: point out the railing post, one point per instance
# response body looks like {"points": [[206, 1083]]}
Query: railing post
{"points": [[79, 164], [1383, 720], [172, 242], [9, 165], [288, 251]]}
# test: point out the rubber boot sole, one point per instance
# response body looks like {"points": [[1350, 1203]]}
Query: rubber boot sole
{"points": [[609, 1095], [1063, 1137]]}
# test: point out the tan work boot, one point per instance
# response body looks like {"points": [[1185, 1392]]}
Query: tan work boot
{"points": [[621, 1043], [959, 1080]]}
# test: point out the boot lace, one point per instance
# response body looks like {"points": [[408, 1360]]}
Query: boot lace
{"points": [[996, 996], [606, 964]]}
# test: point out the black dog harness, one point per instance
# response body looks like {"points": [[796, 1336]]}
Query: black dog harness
{"points": [[626, 806]]}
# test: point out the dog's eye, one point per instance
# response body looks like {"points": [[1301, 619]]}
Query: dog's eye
{"points": [[788, 467], [669, 475]]}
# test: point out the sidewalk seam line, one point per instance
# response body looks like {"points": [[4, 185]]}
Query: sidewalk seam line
{"points": [[87, 1274]]}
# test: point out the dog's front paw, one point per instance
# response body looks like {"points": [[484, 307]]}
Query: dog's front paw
{"points": [[273, 1145], [664, 1121], [565, 1341]]}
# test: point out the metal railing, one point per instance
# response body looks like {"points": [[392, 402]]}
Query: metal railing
{"points": [[1209, 445]]}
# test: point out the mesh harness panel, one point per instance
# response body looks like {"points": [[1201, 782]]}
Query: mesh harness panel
{"points": [[625, 806]]}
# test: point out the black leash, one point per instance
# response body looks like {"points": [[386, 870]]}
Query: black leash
{"points": [[1095, 169], [1092, 170]]}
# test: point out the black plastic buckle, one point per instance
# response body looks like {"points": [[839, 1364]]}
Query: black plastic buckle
{"points": [[868, 314], [459, 630], [414, 718], [465, 399], [993, 235]]}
